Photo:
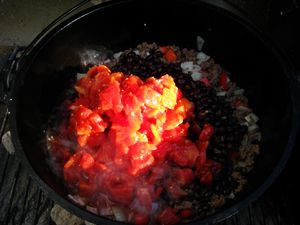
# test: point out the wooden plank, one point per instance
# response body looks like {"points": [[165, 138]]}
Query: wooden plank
{"points": [[31, 204], [256, 214], [44, 208], [3, 164], [19, 198], [7, 188]]}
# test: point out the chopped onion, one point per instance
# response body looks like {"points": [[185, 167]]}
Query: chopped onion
{"points": [[251, 118], [241, 164], [117, 55], [118, 213], [202, 57], [200, 43], [77, 199], [106, 211], [187, 66], [137, 52], [239, 92], [253, 128], [255, 136], [243, 109], [221, 93], [92, 209], [155, 207], [196, 68], [231, 195], [196, 76], [80, 75], [107, 61], [245, 124]]}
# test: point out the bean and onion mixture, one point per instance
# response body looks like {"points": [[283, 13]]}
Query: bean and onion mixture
{"points": [[155, 135]]}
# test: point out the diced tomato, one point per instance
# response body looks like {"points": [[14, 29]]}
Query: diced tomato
{"points": [[168, 217], [177, 133], [167, 81], [205, 81], [206, 132], [145, 199], [79, 121], [97, 123], [99, 167], [158, 192], [110, 98], [122, 136], [156, 139], [81, 113], [173, 120], [80, 102], [216, 168], [202, 146], [86, 188], [71, 169], [118, 76], [179, 95], [163, 151], [119, 187], [169, 53], [183, 177], [82, 139], [223, 80], [155, 84], [205, 175], [86, 161], [152, 98], [101, 70], [132, 83], [174, 190], [184, 107], [59, 151], [83, 86], [106, 151], [157, 173], [205, 172], [130, 103], [185, 154], [186, 213], [95, 140], [163, 49], [141, 157], [169, 97], [196, 128], [141, 219]]}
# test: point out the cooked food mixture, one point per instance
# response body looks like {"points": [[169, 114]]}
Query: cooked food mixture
{"points": [[154, 135]]}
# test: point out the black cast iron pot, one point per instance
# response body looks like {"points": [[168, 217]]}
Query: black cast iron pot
{"points": [[52, 60]]}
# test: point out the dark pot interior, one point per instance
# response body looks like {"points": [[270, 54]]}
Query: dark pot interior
{"points": [[52, 64]]}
